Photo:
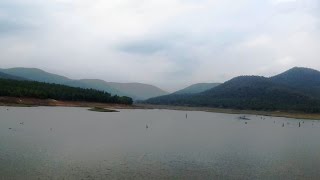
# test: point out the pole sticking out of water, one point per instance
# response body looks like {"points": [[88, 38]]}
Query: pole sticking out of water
{"points": [[282, 124], [186, 115], [299, 124]]}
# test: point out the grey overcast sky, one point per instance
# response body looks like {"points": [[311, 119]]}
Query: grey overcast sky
{"points": [[168, 43]]}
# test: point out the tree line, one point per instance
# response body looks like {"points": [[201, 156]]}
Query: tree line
{"points": [[32, 89]]}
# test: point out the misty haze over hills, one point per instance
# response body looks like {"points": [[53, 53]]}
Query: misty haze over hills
{"points": [[197, 88], [160, 89], [7, 76], [192, 42], [137, 91], [296, 89]]}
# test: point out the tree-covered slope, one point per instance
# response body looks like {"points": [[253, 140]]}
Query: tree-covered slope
{"points": [[305, 80], [298, 77], [248, 92], [32, 89], [258, 93]]}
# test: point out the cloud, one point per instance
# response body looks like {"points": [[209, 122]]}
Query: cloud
{"points": [[169, 43], [282, 1], [144, 47]]}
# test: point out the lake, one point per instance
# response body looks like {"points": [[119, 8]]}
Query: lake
{"points": [[74, 143]]}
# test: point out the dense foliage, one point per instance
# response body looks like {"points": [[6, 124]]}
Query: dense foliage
{"points": [[41, 90], [257, 93]]}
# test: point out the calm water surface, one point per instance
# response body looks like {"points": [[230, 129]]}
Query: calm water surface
{"points": [[73, 143]]}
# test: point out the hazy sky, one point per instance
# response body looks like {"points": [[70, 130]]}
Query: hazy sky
{"points": [[168, 43]]}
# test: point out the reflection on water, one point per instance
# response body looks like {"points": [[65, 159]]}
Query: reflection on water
{"points": [[73, 143]]}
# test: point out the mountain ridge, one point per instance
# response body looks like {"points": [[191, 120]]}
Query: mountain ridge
{"points": [[35, 74], [252, 93], [304, 79], [196, 88], [139, 89], [7, 76]]}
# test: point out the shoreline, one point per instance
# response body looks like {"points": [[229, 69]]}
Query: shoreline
{"points": [[33, 102], [293, 115]]}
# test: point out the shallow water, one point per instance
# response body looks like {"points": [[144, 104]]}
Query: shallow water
{"points": [[74, 143]]}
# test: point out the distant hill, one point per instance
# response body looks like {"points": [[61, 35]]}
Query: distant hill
{"points": [[95, 84], [197, 88], [137, 91], [254, 92], [40, 90], [7, 76], [36, 75]]}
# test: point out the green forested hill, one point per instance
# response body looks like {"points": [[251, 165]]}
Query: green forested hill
{"points": [[305, 80], [32, 89], [250, 92], [298, 77]]}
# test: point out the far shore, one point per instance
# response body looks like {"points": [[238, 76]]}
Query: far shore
{"points": [[294, 115], [30, 102]]}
